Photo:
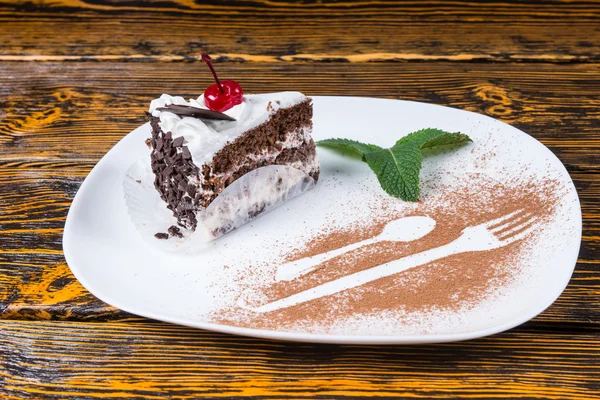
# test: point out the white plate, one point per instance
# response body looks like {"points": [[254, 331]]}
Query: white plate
{"points": [[110, 258]]}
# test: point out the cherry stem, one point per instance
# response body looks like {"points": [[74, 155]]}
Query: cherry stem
{"points": [[206, 58]]}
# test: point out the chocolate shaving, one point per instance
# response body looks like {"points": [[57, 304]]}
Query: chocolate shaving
{"points": [[178, 142], [189, 111], [175, 231], [161, 235]]}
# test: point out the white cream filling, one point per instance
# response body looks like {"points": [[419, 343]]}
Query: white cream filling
{"points": [[294, 139]]}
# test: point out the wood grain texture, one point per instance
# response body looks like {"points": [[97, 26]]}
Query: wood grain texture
{"points": [[58, 119], [154, 360], [270, 31]]}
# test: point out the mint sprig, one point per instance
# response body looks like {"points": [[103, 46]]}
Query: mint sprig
{"points": [[398, 167]]}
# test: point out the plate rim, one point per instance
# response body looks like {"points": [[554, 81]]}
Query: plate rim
{"points": [[311, 337]]}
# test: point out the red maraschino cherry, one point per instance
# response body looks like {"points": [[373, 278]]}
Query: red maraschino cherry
{"points": [[221, 96]]}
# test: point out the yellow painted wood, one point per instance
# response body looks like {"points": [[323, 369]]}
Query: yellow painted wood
{"points": [[155, 360]]}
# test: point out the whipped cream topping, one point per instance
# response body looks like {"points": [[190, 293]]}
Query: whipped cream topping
{"points": [[204, 138]]}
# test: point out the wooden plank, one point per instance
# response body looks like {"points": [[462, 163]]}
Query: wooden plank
{"points": [[154, 360], [58, 119], [79, 110], [265, 31]]}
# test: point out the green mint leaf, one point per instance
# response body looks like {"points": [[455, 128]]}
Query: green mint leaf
{"points": [[350, 146], [446, 139], [432, 137], [397, 170], [398, 167]]}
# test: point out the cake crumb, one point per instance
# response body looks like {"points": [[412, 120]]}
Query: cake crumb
{"points": [[175, 231]]}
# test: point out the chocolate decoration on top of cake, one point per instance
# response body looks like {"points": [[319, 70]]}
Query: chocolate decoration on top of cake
{"points": [[189, 111]]}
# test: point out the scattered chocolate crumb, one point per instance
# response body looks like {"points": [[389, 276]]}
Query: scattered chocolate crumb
{"points": [[161, 235], [138, 181], [148, 143], [175, 231]]}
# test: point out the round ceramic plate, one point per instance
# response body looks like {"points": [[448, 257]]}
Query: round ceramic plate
{"points": [[492, 242]]}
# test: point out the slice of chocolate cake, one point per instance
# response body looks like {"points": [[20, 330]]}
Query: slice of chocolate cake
{"points": [[194, 158]]}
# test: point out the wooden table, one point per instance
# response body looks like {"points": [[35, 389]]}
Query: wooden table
{"points": [[76, 76]]}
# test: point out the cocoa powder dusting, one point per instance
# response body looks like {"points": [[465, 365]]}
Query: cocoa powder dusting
{"points": [[452, 283], [326, 241]]}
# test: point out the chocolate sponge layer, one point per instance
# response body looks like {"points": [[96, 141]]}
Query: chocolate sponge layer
{"points": [[186, 189]]}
